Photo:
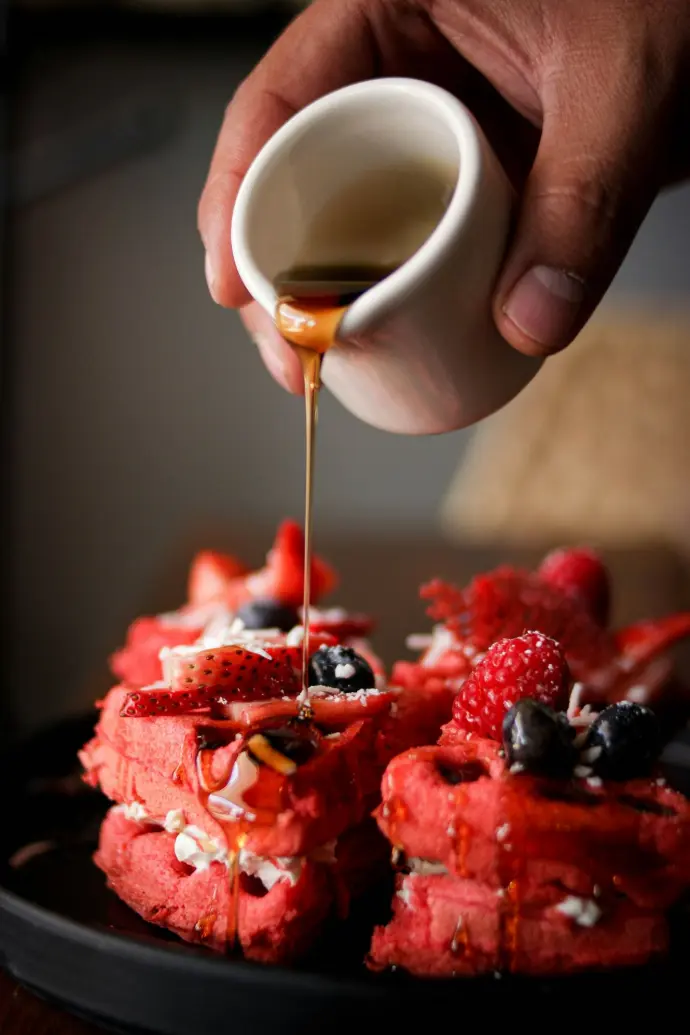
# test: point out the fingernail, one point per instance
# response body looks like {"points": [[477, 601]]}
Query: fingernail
{"points": [[210, 276], [544, 305]]}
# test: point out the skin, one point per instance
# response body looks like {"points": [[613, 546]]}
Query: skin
{"points": [[586, 102]]}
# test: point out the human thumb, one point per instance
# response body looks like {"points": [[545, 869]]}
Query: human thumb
{"points": [[590, 188]]}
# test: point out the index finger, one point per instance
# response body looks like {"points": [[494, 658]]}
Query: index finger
{"points": [[328, 46]]}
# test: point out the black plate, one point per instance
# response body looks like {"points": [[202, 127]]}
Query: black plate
{"points": [[63, 934]]}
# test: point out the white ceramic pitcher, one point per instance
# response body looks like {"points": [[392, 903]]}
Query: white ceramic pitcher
{"points": [[419, 351]]}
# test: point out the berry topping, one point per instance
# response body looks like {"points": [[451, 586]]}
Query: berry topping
{"points": [[531, 665], [538, 740], [340, 668], [622, 742], [142, 704], [283, 748], [282, 578], [212, 576], [340, 624], [243, 674], [268, 614], [582, 574], [505, 602]]}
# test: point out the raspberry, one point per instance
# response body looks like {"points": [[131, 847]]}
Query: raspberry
{"points": [[580, 573], [532, 665], [506, 602]]}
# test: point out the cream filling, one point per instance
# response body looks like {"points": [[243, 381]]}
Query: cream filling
{"points": [[425, 867], [195, 848], [582, 911]]}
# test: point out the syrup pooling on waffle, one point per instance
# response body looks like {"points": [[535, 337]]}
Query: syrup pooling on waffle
{"points": [[537, 844]]}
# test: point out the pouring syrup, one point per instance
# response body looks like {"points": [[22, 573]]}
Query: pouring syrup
{"points": [[311, 304]]}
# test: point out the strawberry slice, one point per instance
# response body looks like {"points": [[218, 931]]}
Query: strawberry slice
{"points": [[641, 642], [142, 704], [232, 671], [137, 663], [213, 576], [283, 576], [341, 625], [334, 711]]}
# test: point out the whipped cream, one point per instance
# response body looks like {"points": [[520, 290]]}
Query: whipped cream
{"points": [[442, 640], [425, 867], [134, 811], [404, 892], [584, 911], [194, 847]]}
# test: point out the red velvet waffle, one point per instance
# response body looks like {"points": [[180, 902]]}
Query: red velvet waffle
{"points": [[277, 914], [564, 599], [523, 872]]}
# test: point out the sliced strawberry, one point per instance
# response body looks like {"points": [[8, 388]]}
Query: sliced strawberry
{"points": [[212, 576], [332, 712], [138, 663], [342, 626], [641, 642], [140, 704], [283, 576], [232, 671]]}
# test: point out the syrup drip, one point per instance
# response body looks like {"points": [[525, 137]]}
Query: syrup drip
{"points": [[311, 367], [241, 796], [311, 305], [234, 830], [509, 920], [233, 924], [510, 925], [397, 813], [179, 775], [460, 942], [310, 325], [462, 848], [205, 926]]}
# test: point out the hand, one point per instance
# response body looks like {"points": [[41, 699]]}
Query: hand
{"points": [[587, 103]]}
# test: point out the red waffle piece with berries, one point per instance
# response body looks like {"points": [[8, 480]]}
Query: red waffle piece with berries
{"points": [[220, 589], [567, 599], [534, 831], [221, 767], [171, 761], [225, 746]]}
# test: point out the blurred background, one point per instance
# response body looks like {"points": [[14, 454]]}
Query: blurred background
{"points": [[141, 424]]}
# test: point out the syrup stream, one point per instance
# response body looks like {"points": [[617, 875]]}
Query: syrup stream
{"points": [[311, 367], [309, 322]]}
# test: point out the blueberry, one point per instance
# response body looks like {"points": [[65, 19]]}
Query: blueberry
{"points": [[341, 668], [538, 739], [628, 738], [268, 614]]}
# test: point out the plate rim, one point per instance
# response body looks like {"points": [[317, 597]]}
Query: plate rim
{"points": [[176, 956]]}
